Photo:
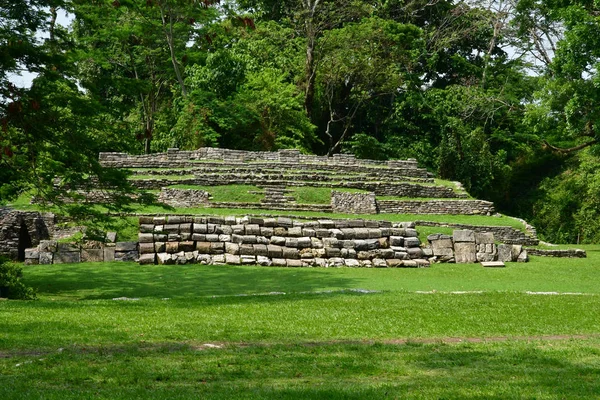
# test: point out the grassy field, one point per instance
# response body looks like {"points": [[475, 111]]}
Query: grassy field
{"points": [[449, 331]]}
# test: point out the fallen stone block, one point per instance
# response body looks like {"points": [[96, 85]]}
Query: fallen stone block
{"points": [[46, 257], [493, 264]]}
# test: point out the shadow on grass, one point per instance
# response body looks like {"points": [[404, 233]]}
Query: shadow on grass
{"points": [[107, 281], [325, 371]]}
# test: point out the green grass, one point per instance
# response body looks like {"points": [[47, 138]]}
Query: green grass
{"points": [[228, 193], [318, 340]]}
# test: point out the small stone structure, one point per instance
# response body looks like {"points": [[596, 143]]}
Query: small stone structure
{"points": [[503, 234], [278, 242], [567, 253], [453, 207], [353, 203], [53, 252], [467, 246], [20, 230]]}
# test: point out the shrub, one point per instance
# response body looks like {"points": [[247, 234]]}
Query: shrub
{"points": [[11, 286]]}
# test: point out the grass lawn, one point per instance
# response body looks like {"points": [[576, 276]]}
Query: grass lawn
{"points": [[449, 331]]}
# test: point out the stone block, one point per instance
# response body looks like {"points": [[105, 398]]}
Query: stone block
{"points": [[394, 263], [279, 262], [46, 257], [384, 242], [159, 220], [186, 246], [161, 238], [67, 247], [224, 230], [204, 259], [278, 240], [252, 229], [422, 263], [309, 232], [397, 241], [216, 220], [387, 253], [174, 237], [238, 229], [371, 223], [379, 263], [211, 237], [348, 233], [411, 242], [92, 244], [147, 228], [172, 247], [198, 237], [505, 253], [174, 219], [493, 264], [374, 233], [304, 242], [145, 220], [352, 263], [31, 261], [171, 228], [266, 231], [336, 262], [247, 250], [331, 242], [69, 257], [147, 259], [233, 259], [516, 251], [523, 257], [293, 263], [230, 220], [291, 242], [322, 233], [263, 261], [332, 252], [248, 260], [484, 238], [410, 264], [145, 237], [410, 232], [159, 247], [93, 255], [316, 243], [109, 254], [274, 251], [361, 245], [199, 228], [361, 233], [260, 250], [232, 248], [126, 246], [159, 228], [279, 231], [49, 246], [290, 253], [164, 259], [249, 239], [372, 244], [32, 253], [111, 237], [465, 252], [185, 228], [337, 233], [284, 222], [217, 247], [463, 235], [145, 248], [218, 259]]}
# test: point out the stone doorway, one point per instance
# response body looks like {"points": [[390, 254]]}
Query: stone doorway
{"points": [[24, 241]]}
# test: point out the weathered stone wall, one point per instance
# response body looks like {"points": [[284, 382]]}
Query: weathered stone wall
{"points": [[22, 229], [353, 203], [240, 156], [53, 252], [278, 242], [467, 246], [184, 197], [567, 253], [461, 207], [503, 234]]}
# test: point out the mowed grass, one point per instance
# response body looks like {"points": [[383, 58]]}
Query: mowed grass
{"points": [[256, 332]]}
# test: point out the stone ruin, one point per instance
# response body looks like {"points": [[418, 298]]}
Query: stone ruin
{"points": [[20, 230]]}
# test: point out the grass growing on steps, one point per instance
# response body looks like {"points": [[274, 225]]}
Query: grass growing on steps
{"points": [[161, 177], [228, 193]]}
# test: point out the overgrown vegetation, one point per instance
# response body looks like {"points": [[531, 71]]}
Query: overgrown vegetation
{"points": [[11, 284]]}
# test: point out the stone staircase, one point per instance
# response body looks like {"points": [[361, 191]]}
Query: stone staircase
{"points": [[275, 196]]}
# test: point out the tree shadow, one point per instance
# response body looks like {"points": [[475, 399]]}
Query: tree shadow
{"points": [[85, 282]]}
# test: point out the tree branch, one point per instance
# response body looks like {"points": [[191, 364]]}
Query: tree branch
{"points": [[571, 149]]}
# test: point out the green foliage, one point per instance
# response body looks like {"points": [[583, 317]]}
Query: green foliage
{"points": [[11, 285]]}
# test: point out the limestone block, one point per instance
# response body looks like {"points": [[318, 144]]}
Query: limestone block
{"points": [[484, 238], [233, 259], [270, 222], [385, 232], [200, 228], [410, 232], [505, 253], [347, 244], [92, 244], [46, 257], [232, 248], [218, 259], [248, 260], [260, 250], [293, 263], [111, 237], [159, 247], [274, 251], [266, 231], [316, 243], [374, 233], [322, 233], [463, 235], [147, 228], [186, 246], [348, 233], [372, 244], [427, 252], [291, 242], [211, 237], [252, 229], [493, 264], [249, 239], [31, 261], [384, 242], [331, 242], [69, 257], [308, 232], [158, 228], [335, 262], [366, 263], [172, 247], [171, 228], [95, 255], [32, 253], [410, 264], [263, 240], [349, 253], [204, 259], [356, 223], [369, 223], [442, 251], [352, 263], [320, 262], [126, 255], [485, 257], [279, 262], [224, 230], [230, 220], [337, 233], [284, 222], [401, 255], [159, 220], [185, 236], [145, 237], [290, 253], [147, 259], [387, 253], [174, 237], [263, 261], [246, 250], [238, 229], [217, 247], [279, 231], [161, 238], [332, 252], [67, 247], [361, 245], [109, 254], [174, 219], [199, 237], [126, 246], [516, 251], [464, 252], [394, 263], [523, 257], [422, 263], [379, 263], [304, 242], [145, 220], [411, 242], [361, 233], [49, 246], [278, 240], [397, 241], [216, 220]]}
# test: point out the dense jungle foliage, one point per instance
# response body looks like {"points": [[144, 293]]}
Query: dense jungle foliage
{"points": [[500, 95]]}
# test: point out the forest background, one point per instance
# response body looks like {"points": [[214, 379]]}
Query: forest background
{"points": [[499, 95]]}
